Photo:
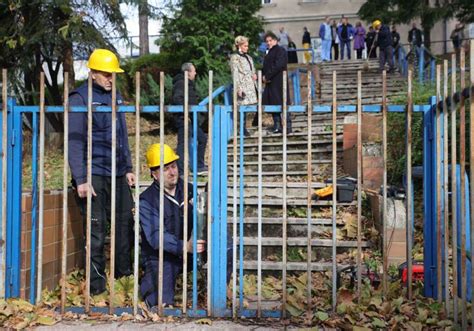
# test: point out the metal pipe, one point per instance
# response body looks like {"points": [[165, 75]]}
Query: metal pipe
{"points": [[194, 206], [4, 178], [89, 195], [462, 143], [454, 198], [113, 188], [234, 200], [209, 197], [334, 194], [359, 184], [439, 262], [471, 111], [65, 191], [409, 225], [162, 196], [384, 203], [186, 193], [284, 191], [241, 212], [136, 238], [309, 212], [445, 188], [260, 195], [39, 279]]}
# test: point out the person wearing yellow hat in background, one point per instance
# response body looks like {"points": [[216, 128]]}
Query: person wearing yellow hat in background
{"points": [[384, 43], [173, 226], [102, 64]]}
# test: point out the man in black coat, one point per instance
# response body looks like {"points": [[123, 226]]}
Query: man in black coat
{"points": [[193, 99], [370, 41], [274, 64], [414, 36], [384, 42]]}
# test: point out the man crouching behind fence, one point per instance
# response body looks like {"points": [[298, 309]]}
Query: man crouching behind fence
{"points": [[173, 226], [103, 64]]}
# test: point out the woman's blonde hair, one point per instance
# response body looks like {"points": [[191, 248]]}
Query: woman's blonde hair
{"points": [[240, 40]]}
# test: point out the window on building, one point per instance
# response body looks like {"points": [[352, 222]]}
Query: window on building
{"points": [[266, 2]]}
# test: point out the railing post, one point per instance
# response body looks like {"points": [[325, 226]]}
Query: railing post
{"points": [[421, 63], [14, 170]]}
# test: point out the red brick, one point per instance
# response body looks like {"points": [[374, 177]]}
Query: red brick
{"points": [[26, 221], [52, 217], [26, 203], [25, 240], [25, 258], [52, 201], [49, 253], [49, 236]]}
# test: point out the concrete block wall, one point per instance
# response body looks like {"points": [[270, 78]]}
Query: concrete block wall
{"points": [[52, 239]]}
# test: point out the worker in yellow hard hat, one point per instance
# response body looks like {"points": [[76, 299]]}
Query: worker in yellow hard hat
{"points": [[384, 42], [102, 64], [173, 220]]}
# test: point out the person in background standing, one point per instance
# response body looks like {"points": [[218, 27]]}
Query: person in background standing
{"points": [[395, 41], [326, 40], [384, 42], [335, 40], [306, 41], [414, 36], [346, 34], [283, 38], [370, 42], [292, 55], [359, 39], [457, 37]]}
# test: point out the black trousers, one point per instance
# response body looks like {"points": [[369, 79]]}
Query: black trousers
{"points": [[100, 219], [335, 46], [359, 53]]}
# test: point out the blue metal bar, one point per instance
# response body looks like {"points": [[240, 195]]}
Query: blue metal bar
{"points": [[195, 202], [421, 63], [432, 69], [220, 90], [241, 212], [34, 204]]}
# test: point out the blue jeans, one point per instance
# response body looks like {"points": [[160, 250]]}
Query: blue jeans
{"points": [[326, 50], [346, 44]]}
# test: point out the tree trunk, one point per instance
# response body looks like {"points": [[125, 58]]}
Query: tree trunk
{"points": [[143, 25], [68, 65]]}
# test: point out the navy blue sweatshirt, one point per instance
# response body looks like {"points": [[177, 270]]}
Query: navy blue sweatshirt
{"points": [[101, 136]]}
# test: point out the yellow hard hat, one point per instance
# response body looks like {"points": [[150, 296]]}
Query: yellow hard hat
{"points": [[104, 60], [153, 155], [376, 23]]}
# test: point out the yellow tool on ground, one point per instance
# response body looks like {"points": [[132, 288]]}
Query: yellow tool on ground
{"points": [[322, 192]]}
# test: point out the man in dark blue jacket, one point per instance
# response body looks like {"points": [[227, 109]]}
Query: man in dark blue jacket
{"points": [[384, 42], [173, 227], [102, 64]]}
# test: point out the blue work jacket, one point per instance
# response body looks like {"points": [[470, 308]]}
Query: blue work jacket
{"points": [[101, 136]]}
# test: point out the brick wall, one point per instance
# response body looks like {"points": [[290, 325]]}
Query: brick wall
{"points": [[52, 239]]}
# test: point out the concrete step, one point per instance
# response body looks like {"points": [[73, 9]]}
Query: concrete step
{"points": [[290, 144], [291, 266], [303, 242], [300, 163], [279, 220], [290, 202]]}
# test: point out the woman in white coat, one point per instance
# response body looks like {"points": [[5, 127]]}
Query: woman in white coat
{"points": [[244, 74]]}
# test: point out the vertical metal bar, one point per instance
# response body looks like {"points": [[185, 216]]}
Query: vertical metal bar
{"points": [[260, 195], [4, 179], [454, 194], [384, 203], [136, 247], [241, 211], [209, 197], [113, 185], [34, 207], [359, 184], [284, 191], [309, 212], [462, 143], [409, 225], [39, 279], [438, 189], [445, 188], [186, 193], [162, 196], [65, 191], [89, 195], [194, 206], [234, 199], [471, 160], [334, 194]]}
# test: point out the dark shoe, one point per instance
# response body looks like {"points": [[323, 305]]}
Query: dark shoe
{"points": [[276, 130], [246, 133], [203, 171]]}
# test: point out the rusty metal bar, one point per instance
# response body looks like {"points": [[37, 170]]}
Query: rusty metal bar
{"points": [[359, 184], [445, 187], [235, 110], [162, 195], [384, 197], [113, 188], [462, 143], [260, 195], [471, 160], [65, 191], [186, 192], [284, 192], [439, 262], [89, 195], [309, 212], [409, 192], [136, 223], [4, 178], [209, 198], [39, 277], [334, 194], [454, 198]]}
